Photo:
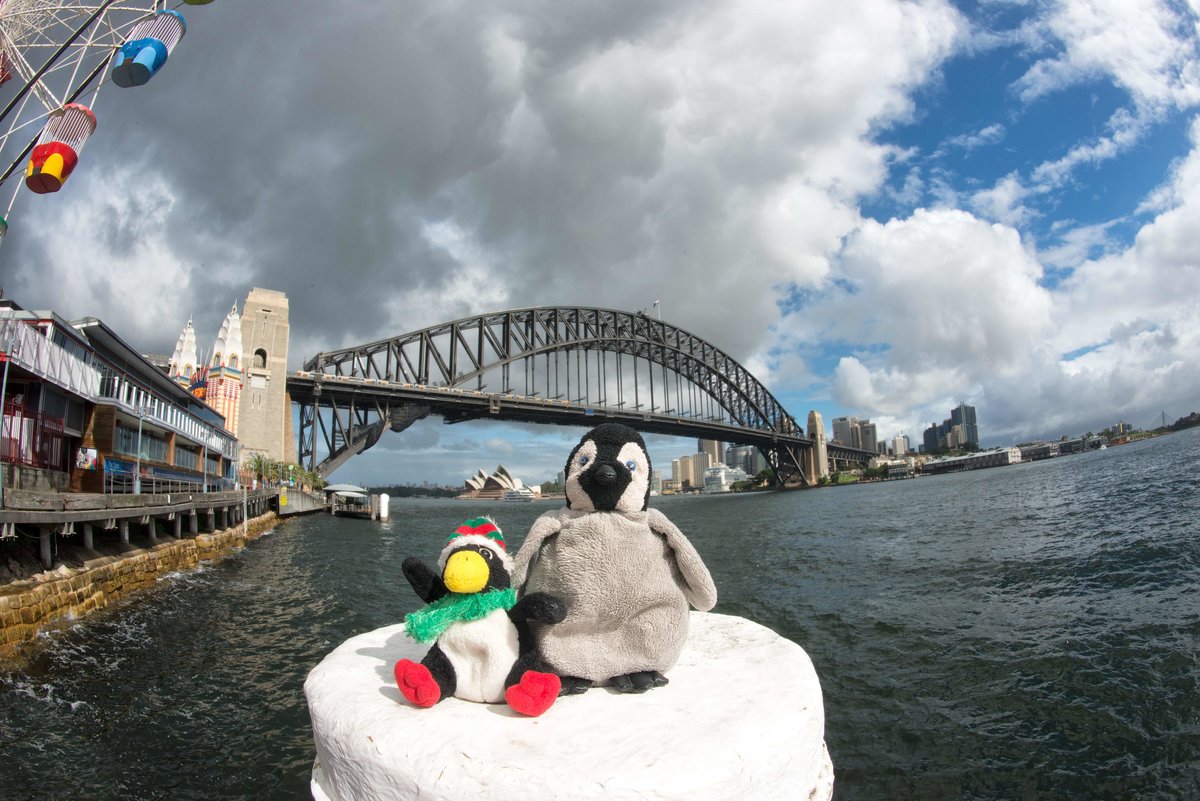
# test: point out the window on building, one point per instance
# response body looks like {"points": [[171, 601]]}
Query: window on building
{"points": [[186, 458], [260, 359], [233, 360]]}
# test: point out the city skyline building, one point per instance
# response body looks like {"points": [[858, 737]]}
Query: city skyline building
{"points": [[856, 433], [843, 428], [964, 416], [960, 430], [691, 470], [745, 457], [868, 437], [714, 449]]}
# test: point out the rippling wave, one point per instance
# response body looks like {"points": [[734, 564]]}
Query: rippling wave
{"points": [[1024, 632]]}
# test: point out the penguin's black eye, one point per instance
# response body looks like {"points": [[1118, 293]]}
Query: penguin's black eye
{"points": [[632, 465], [583, 460]]}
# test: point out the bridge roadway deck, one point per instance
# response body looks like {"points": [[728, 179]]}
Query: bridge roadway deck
{"points": [[455, 405]]}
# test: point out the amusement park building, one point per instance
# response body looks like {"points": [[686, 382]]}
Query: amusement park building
{"points": [[84, 411]]}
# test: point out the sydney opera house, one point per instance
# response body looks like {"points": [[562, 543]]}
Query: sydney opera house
{"points": [[494, 486]]}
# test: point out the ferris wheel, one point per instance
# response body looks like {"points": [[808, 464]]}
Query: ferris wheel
{"points": [[55, 56]]}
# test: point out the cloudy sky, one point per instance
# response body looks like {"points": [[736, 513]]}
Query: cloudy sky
{"points": [[880, 207]]}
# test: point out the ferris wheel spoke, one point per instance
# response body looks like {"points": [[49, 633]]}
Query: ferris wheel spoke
{"points": [[57, 53]]}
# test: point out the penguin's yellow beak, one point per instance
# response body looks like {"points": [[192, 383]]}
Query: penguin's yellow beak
{"points": [[466, 572]]}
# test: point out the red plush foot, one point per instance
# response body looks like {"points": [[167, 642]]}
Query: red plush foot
{"points": [[417, 683], [534, 694]]}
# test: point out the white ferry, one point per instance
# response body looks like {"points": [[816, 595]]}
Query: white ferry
{"points": [[521, 495]]}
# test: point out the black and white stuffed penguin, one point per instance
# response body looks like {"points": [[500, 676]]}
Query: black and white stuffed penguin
{"points": [[625, 572], [483, 649]]}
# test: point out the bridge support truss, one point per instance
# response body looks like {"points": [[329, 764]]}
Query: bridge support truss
{"points": [[564, 365]]}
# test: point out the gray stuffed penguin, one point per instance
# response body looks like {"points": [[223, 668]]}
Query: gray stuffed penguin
{"points": [[625, 572]]}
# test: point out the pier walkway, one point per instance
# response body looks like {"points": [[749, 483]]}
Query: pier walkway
{"points": [[53, 515]]}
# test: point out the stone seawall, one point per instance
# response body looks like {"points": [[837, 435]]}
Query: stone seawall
{"points": [[66, 594]]}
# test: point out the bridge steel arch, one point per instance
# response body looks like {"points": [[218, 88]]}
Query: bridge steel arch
{"points": [[487, 366]]}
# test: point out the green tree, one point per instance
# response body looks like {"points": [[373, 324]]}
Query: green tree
{"points": [[260, 466], [765, 477]]}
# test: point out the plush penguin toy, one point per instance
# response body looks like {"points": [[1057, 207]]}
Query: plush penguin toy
{"points": [[483, 649], [625, 572]]}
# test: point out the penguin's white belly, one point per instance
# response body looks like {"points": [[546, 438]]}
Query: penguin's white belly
{"points": [[482, 653], [626, 611]]}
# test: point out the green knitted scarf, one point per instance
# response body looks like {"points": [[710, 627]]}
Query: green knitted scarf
{"points": [[426, 625]]}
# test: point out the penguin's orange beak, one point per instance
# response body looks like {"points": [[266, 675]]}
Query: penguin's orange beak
{"points": [[466, 572]]}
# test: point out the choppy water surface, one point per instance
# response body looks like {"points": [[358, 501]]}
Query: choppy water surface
{"points": [[1024, 632]]}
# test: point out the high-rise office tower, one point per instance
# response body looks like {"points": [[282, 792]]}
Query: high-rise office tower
{"points": [[868, 439], [964, 416], [843, 428], [714, 449]]}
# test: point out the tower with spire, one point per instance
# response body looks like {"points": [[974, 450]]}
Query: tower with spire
{"points": [[182, 365], [255, 367], [223, 385]]}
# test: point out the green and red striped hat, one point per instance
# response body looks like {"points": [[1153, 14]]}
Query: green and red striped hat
{"points": [[477, 531]]}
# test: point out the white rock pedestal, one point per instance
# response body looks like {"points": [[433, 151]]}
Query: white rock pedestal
{"points": [[742, 718]]}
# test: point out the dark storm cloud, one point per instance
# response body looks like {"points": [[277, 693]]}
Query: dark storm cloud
{"points": [[390, 166]]}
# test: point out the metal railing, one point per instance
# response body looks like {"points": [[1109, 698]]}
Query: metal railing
{"points": [[32, 438], [98, 382]]}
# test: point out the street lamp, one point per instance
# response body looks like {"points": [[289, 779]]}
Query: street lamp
{"points": [[142, 411], [13, 348]]}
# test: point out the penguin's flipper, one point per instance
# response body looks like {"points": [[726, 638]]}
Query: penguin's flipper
{"points": [[638, 682], [541, 607], [698, 584], [546, 526], [426, 582]]}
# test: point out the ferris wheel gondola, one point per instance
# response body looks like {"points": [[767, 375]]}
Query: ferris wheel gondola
{"points": [[55, 55]]}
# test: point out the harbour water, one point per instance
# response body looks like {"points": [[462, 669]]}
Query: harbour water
{"points": [[1018, 633]]}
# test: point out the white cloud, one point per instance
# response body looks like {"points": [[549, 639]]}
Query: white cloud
{"points": [[107, 255], [715, 156], [1156, 279], [1144, 47], [1075, 244], [1126, 129], [988, 135], [1004, 202], [935, 303]]}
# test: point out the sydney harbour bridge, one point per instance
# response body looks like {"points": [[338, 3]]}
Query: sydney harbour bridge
{"points": [[565, 365]]}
